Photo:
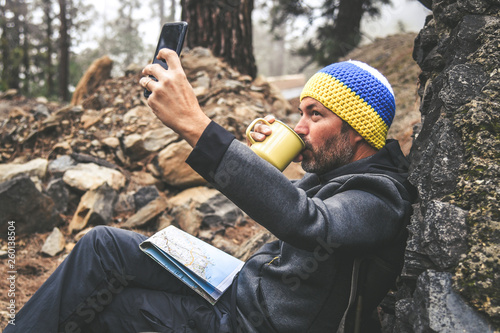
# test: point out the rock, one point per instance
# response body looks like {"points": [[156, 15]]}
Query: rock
{"points": [[144, 195], [30, 210], [198, 194], [55, 243], [34, 168], [143, 178], [248, 248], [219, 211], [140, 114], [147, 213], [59, 193], [95, 207], [188, 218], [134, 146], [125, 203], [159, 138], [174, 170], [438, 308], [454, 165], [111, 142], [85, 176], [82, 233], [60, 165], [444, 233]]}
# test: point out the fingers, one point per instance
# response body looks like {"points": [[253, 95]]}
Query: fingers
{"points": [[261, 130], [171, 57], [147, 83], [270, 118]]}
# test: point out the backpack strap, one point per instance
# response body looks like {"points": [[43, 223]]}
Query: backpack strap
{"points": [[352, 295], [371, 280]]}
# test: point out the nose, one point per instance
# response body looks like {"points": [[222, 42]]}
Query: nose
{"points": [[301, 128]]}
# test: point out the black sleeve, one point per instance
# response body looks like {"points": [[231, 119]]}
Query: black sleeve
{"points": [[209, 150]]}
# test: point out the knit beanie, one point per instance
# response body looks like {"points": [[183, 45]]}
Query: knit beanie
{"points": [[357, 93]]}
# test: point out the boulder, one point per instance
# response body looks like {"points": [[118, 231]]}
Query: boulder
{"points": [[34, 168], [159, 138], [85, 176], [59, 193], [147, 213], [144, 195], [54, 243], [60, 165], [22, 203], [436, 307], [174, 170], [198, 194], [95, 207], [125, 203], [220, 211]]}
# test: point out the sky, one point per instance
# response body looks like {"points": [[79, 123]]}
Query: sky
{"points": [[410, 12]]}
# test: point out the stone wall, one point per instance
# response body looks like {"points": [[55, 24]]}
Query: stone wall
{"points": [[450, 281]]}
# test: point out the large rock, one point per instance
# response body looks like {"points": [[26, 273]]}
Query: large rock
{"points": [[436, 307], [220, 211], [54, 243], [22, 203], [144, 195], [60, 165], [34, 168], [86, 176], [147, 213], [59, 193], [174, 170], [95, 207], [456, 167], [198, 194], [157, 139]]}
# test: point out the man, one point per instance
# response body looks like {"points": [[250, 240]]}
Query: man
{"points": [[353, 204]]}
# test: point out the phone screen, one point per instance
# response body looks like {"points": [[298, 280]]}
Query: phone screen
{"points": [[172, 36]]}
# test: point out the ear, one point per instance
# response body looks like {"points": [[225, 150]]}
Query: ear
{"points": [[355, 137]]}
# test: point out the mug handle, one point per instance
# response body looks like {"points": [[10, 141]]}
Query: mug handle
{"points": [[251, 126]]}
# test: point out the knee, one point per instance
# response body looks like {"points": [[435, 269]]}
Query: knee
{"points": [[97, 235]]}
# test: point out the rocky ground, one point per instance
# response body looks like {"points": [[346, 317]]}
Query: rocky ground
{"points": [[108, 160]]}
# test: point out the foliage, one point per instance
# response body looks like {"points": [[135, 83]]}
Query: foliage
{"points": [[336, 24], [31, 48]]}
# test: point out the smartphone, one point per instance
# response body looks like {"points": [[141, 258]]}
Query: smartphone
{"points": [[172, 37]]}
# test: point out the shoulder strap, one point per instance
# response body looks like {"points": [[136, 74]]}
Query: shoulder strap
{"points": [[371, 280], [352, 296]]}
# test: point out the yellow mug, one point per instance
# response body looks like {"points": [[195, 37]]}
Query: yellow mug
{"points": [[279, 148]]}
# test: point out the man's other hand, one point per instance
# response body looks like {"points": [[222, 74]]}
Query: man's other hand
{"points": [[261, 130]]}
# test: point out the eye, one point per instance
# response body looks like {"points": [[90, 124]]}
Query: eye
{"points": [[316, 114]]}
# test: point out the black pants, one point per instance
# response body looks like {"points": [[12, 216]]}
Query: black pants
{"points": [[107, 284]]}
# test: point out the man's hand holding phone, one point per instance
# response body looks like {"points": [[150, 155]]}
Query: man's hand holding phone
{"points": [[172, 37], [172, 98]]}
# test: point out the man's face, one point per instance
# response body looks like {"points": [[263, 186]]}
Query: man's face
{"points": [[329, 143]]}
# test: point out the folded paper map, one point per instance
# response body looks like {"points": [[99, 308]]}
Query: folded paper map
{"points": [[206, 269]]}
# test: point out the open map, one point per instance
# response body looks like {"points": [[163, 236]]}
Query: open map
{"points": [[203, 267]]}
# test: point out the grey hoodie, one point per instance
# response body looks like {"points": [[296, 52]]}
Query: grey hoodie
{"points": [[322, 222]]}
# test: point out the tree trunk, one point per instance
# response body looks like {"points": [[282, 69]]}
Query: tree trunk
{"points": [[50, 71], [64, 44], [347, 24], [224, 27]]}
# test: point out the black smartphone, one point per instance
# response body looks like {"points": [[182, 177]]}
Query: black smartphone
{"points": [[172, 37]]}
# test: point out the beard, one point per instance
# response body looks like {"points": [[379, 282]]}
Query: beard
{"points": [[333, 153]]}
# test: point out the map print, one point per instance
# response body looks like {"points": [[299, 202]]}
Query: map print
{"points": [[205, 268], [186, 250]]}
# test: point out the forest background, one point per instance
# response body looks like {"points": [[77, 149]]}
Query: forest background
{"points": [[46, 45]]}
